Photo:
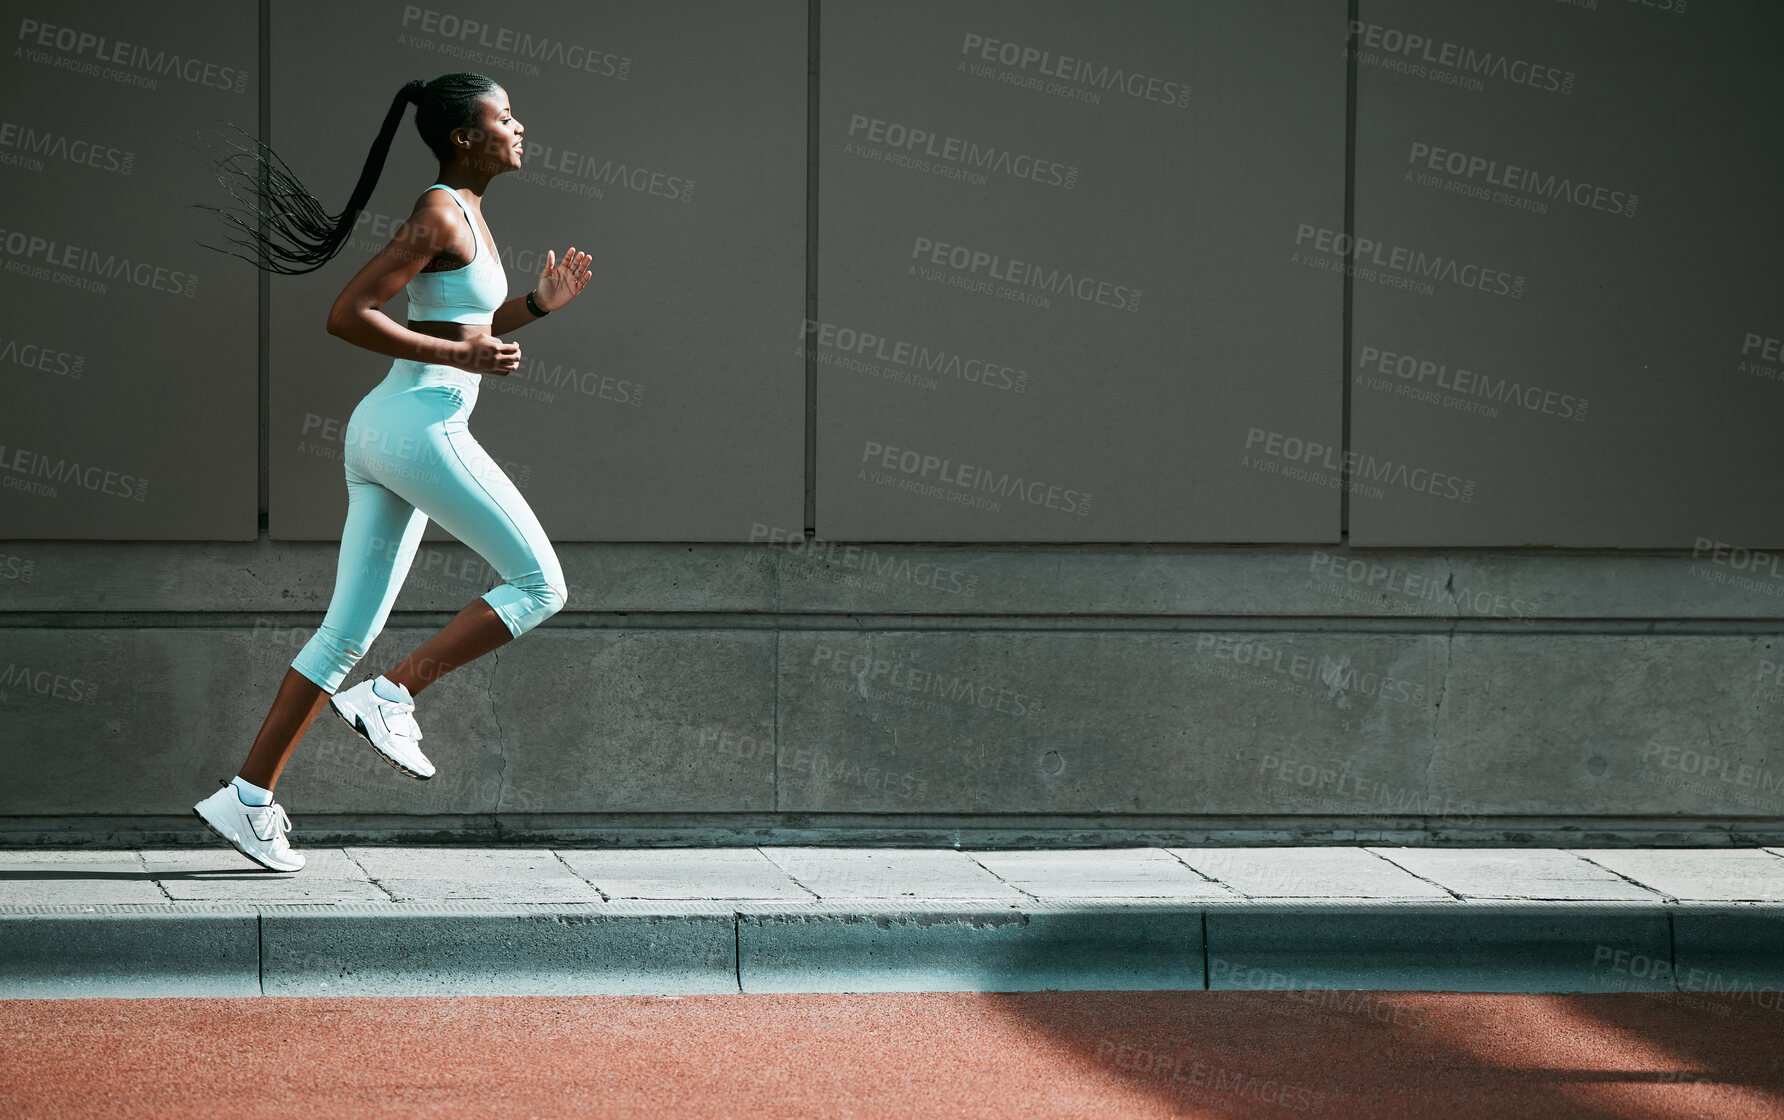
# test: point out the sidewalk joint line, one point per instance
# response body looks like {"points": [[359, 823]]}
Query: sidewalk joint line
{"points": [[1664, 897], [1207, 878], [559, 856], [388, 894], [1035, 897], [1207, 978], [159, 885], [1457, 895]]}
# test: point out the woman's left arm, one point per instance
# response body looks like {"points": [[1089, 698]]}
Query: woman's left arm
{"points": [[559, 283]]}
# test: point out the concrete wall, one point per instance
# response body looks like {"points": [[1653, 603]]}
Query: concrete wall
{"points": [[906, 693], [1321, 408]]}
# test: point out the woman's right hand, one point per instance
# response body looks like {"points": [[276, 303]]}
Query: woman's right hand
{"points": [[487, 354]]}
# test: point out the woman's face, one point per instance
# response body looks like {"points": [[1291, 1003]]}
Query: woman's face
{"points": [[495, 142]]}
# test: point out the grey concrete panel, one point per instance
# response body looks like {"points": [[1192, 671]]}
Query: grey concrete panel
{"points": [[493, 949], [595, 720], [110, 951], [1565, 328], [1307, 873], [564, 720], [620, 721], [889, 873], [958, 949], [1698, 874], [1662, 724], [672, 874], [1420, 946], [1101, 873], [1735, 950], [1495, 589], [128, 348], [665, 403], [1053, 307], [1112, 722], [1531, 873]]}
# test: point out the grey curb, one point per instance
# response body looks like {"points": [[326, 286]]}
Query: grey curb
{"points": [[65, 952], [1720, 947], [675, 948], [493, 949], [1419, 946], [991, 947]]}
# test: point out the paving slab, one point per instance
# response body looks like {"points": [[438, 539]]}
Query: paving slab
{"points": [[1099, 873], [411, 874], [274, 887], [1698, 874], [730, 873], [889, 873], [1541, 873], [493, 949], [488, 890], [963, 947], [223, 863], [48, 878], [1429, 946], [225, 875], [464, 864], [1308, 873]]}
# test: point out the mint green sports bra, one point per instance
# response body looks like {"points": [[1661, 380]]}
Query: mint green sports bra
{"points": [[469, 294]]}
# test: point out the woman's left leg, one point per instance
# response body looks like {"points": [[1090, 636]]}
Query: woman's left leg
{"points": [[471, 497]]}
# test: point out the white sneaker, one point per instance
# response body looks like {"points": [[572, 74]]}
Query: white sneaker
{"points": [[256, 831], [388, 725]]}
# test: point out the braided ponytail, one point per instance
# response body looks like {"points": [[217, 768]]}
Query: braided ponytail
{"points": [[295, 233]]}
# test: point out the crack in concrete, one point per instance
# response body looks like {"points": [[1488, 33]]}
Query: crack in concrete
{"points": [[1449, 652], [861, 677], [495, 662]]}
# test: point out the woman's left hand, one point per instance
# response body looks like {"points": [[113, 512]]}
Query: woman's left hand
{"points": [[559, 281]]}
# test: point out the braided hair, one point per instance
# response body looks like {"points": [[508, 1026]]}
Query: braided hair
{"points": [[295, 233]]}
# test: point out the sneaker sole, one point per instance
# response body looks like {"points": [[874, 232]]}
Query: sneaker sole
{"points": [[358, 726], [230, 840]]}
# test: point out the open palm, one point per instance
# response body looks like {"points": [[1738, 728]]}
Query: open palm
{"points": [[559, 281]]}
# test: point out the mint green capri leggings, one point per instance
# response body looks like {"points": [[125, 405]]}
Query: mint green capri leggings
{"points": [[410, 457]]}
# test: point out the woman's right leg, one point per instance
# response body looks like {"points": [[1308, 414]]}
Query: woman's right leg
{"points": [[466, 493]]}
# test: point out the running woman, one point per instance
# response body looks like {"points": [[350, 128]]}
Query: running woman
{"points": [[408, 454]]}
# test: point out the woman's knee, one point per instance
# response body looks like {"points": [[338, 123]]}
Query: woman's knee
{"points": [[525, 601], [330, 655]]}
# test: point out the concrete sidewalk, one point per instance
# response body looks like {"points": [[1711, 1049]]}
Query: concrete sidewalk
{"points": [[444, 921]]}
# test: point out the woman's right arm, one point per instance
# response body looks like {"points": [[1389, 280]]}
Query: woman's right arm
{"points": [[357, 314]]}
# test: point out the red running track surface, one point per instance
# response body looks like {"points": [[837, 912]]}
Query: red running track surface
{"points": [[1132, 1055]]}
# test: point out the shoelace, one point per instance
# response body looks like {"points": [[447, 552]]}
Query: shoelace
{"points": [[399, 717], [263, 816]]}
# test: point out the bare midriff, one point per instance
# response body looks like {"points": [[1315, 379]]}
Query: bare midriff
{"points": [[439, 328]]}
